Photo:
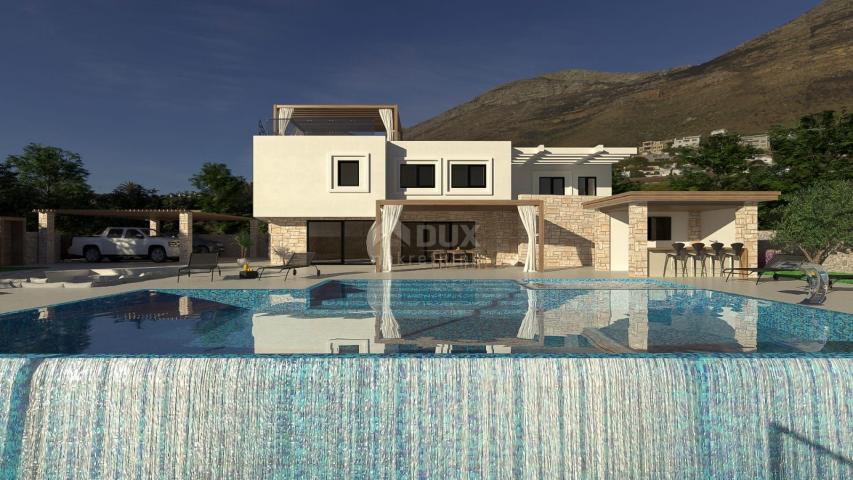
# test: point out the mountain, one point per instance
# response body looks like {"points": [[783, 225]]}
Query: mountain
{"points": [[803, 67]]}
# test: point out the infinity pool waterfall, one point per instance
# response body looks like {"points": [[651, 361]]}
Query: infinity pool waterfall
{"points": [[663, 382]]}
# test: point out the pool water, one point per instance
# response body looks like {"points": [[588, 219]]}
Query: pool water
{"points": [[429, 317]]}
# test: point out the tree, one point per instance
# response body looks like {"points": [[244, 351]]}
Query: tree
{"points": [[222, 192], [50, 177], [11, 201], [818, 220], [130, 195], [721, 162]]}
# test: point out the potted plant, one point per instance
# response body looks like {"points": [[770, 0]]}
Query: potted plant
{"points": [[244, 240]]}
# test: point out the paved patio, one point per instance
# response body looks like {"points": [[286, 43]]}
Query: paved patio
{"points": [[790, 291]]}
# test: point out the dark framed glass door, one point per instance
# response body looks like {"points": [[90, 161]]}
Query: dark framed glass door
{"points": [[339, 241]]}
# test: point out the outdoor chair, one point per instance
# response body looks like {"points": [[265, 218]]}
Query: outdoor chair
{"points": [[481, 257], [698, 255], [717, 255], [679, 254], [201, 262], [439, 257], [287, 257], [301, 260], [780, 263], [735, 254]]}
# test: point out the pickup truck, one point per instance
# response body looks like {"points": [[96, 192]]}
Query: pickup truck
{"points": [[115, 242]]}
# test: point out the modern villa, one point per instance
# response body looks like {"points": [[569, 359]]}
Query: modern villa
{"points": [[325, 174]]}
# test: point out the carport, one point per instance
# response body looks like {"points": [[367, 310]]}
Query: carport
{"points": [[48, 240]]}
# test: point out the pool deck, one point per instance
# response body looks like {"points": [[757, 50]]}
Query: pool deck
{"points": [[11, 299]]}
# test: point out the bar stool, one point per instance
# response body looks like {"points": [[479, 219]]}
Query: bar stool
{"points": [[737, 251], [679, 253], [699, 255], [717, 256]]}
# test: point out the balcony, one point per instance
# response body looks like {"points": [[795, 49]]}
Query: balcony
{"points": [[333, 120]]}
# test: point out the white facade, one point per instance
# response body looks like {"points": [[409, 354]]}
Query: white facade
{"points": [[691, 141]]}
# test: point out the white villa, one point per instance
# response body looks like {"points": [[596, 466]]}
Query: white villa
{"points": [[324, 174]]}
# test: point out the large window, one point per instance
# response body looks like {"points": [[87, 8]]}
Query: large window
{"points": [[417, 176], [348, 173], [552, 186], [660, 228], [586, 186], [468, 176], [339, 241]]}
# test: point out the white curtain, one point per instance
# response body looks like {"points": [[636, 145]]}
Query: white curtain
{"points": [[380, 300], [387, 116], [390, 218], [283, 119], [528, 219], [372, 240], [530, 325]]}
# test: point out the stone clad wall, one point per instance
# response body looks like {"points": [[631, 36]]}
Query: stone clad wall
{"points": [[638, 228], [746, 230], [287, 235], [570, 231]]}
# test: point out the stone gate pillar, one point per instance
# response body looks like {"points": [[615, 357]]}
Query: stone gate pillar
{"points": [[48, 246], [638, 240], [185, 235]]}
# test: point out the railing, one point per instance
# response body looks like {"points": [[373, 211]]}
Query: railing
{"points": [[319, 126]]}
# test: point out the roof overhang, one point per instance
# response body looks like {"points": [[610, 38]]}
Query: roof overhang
{"points": [[460, 205], [543, 155], [146, 214], [681, 199]]}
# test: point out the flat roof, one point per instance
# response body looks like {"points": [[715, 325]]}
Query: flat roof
{"points": [[683, 198], [146, 214]]}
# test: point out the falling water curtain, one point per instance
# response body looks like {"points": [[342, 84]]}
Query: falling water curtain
{"points": [[387, 117], [283, 119], [390, 218], [528, 219]]}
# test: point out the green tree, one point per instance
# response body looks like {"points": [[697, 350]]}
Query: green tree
{"points": [[11, 200], [130, 195], [51, 177], [721, 162], [818, 220], [220, 191]]}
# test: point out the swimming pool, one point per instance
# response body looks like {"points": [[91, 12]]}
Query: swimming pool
{"points": [[429, 317], [427, 379]]}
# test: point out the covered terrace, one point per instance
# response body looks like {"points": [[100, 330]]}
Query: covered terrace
{"points": [[48, 239], [531, 212], [644, 225]]}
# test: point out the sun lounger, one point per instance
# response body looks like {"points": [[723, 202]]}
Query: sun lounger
{"points": [[780, 263], [201, 262], [297, 260], [288, 257]]}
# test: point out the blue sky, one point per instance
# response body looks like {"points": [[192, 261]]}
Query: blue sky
{"points": [[149, 90]]}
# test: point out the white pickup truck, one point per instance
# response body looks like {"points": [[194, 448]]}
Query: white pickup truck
{"points": [[116, 242]]}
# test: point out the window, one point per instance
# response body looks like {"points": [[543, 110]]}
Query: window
{"points": [[586, 186], [417, 176], [115, 233], [133, 233], [468, 176], [348, 349], [348, 173], [660, 228], [552, 186]]}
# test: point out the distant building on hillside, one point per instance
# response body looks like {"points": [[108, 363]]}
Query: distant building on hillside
{"points": [[760, 141], [691, 141], [719, 131], [654, 147]]}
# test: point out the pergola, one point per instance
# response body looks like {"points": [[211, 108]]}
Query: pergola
{"points": [[466, 205], [335, 119], [48, 240]]}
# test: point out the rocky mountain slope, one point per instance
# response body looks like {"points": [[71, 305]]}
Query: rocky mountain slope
{"points": [[802, 67]]}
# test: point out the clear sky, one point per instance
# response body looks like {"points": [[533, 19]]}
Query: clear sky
{"points": [[149, 90]]}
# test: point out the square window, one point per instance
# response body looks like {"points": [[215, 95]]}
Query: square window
{"points": [[659, 228], [348, 173], [552, 186], [417, 176], [349, 349], [468, 176]]}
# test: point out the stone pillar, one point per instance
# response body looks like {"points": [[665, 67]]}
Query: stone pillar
{"points": [[287, 235], [694, 226], [746, 331], [638, 238], [154, 226], [602, 242], [48, 239], [255, 236], [185, 235], [746, 231], [638, 320]]}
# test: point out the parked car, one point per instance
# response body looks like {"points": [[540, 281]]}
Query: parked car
{"points": [[118, 242], [201, 245]]}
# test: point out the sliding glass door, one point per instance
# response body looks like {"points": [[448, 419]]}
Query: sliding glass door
{"points": [[339, 241]]}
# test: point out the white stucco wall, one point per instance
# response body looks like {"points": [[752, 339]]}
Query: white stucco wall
{"points": [[718, 226], [525, 178], [495, 155], [293, 176], [619, 241]]}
